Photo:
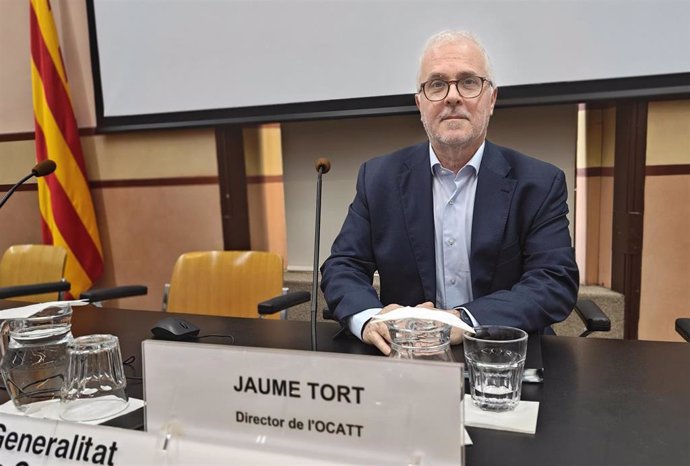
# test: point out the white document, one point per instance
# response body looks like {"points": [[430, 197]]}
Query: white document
{"points": [[51, 410], [522, 419], [31, 309], [424, 313]]}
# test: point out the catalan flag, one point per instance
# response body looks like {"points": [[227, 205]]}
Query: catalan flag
{"points": [[67, 213]]}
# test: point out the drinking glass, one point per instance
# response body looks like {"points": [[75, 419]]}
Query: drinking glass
{"points": [[95, 382], [495, 357]]}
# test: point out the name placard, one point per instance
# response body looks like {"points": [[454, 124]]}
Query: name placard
{"points": [[359, 409], [29, 441]]}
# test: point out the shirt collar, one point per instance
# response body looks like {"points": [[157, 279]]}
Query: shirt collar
{"points": [[474, 162]]}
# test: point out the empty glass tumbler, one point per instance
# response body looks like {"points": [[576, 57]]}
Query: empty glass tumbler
{"points": [[420, 339], [34, 356], [495, 358], [95, 382]]}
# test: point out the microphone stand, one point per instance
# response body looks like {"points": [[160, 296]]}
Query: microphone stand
{"points": [[322, 167], [43, 168], [14, 188]]}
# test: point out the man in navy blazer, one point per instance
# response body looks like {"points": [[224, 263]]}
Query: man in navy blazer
{"points": [[456, 223]]}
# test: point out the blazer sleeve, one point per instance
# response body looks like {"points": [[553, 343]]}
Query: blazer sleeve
{"points": [[548, 278], [347, 275]]}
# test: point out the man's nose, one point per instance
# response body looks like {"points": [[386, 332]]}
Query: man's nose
{"points": [[453, 96]]}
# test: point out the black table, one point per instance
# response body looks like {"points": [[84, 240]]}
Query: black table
{"points": [[603, 402]]}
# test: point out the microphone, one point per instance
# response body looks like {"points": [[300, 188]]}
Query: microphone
{"points": [[323, 166], [42, 168]]}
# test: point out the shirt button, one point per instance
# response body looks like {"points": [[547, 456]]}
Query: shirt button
{"points": [[451, 242], [451, 202], [452, 281]]}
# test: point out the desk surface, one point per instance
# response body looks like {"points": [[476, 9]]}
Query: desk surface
{"points": [[603, 402]]}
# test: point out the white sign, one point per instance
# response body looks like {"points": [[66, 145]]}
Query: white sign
{"points": [[28, 441], [358, 409]]}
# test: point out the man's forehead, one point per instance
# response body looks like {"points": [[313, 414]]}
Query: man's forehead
{"points": [[454, 58]]}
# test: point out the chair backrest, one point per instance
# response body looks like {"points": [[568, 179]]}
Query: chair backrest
{"points": [[26, 264], [229, 283]]}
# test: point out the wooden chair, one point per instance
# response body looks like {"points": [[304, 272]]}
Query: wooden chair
{"points": [[32, 264], [229, 283]]}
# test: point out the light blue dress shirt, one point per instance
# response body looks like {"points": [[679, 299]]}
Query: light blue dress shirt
{"points": [[453, 196]]}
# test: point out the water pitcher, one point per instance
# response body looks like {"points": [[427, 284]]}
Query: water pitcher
{"points": [[420, 339], [34, 355]]}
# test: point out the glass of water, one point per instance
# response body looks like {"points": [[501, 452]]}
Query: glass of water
{"points": [[95, 382], [495, 357]]}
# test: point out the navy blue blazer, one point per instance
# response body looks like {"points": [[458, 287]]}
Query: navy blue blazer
{"points": [[521, 260]]}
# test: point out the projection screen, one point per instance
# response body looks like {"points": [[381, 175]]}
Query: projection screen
{"points": [[169, 57]]}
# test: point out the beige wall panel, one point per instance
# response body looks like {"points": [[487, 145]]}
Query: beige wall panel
{"points": [[125, 156], [347, 143], [581, 149], [608, 137], [605, 231], [593, 135], [151, 154], [15, 71], [600, 138], [668, 136], [581, 241], [266, 203], [665, 291], [20, 220], [263, 150], [17, 158], [145, 229], [588, 228]]}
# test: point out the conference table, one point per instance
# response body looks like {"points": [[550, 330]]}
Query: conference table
{"points": [[602, 402]]}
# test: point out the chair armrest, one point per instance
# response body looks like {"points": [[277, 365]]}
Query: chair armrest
{"points": [[593, 317], [683, 328], [328, 314], [8, 292], [283, 302], [116, 292]]}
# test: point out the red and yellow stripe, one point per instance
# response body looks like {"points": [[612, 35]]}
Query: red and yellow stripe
{"points": [[64, 199]]}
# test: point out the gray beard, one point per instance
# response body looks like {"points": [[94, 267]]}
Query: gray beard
{"points": [[452, 141]]}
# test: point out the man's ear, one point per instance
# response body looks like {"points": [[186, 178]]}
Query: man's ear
{"points": [[416, 100], [494, 95]]}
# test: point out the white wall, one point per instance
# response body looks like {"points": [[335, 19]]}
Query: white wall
{"points": [[548, 133]]}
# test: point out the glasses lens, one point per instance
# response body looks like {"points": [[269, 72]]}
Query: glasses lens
{"points": [[470, 86], [436, 89]]}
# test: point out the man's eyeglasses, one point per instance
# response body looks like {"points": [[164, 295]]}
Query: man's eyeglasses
{"points": [[468, 87]]}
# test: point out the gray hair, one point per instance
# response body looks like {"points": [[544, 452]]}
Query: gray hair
{"points": [[449, 36]]}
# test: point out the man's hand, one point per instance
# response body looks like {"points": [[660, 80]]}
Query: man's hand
{"points": [[376, 333], [455, 332]]}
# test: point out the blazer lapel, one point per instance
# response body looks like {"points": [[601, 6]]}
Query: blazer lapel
{"points": [[418, 210], [491, 208]]}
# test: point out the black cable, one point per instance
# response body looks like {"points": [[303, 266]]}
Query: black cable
{"points": [[128, 362]]}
